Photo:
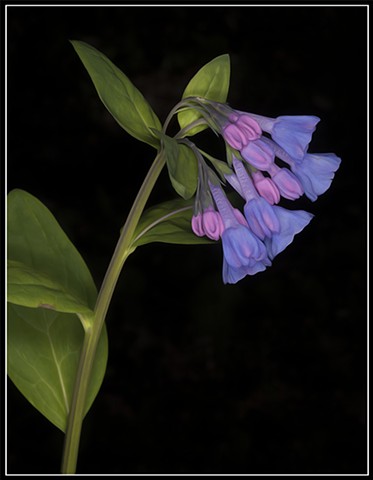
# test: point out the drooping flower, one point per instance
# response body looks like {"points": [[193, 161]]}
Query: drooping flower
{"points": [[292, 132], [254, 143], [258, 154], [241, 247], [287, 183], [261, 217], [292, 222], [316, 172], [266, 187], [233, 274], [197, 225], [208, 223], [273, 224], [240, 129], [244, 253]]}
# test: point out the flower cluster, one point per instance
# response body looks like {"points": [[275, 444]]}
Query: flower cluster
{"points": [[251, 240]]}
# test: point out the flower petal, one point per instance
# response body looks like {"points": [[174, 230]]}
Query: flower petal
{"points": [[258, 154], [294, 133], [291, 223], [316, 172], [240, 246], [233, 275], [261, 217]]}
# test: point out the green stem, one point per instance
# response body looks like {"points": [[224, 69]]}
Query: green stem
{"points": [[185, 104], [196, 123], [92, 334]]}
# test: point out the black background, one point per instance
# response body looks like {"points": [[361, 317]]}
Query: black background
{"points": [[266, 376]]}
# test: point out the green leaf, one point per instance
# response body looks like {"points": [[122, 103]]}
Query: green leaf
{"points": [[43, 354], [123, 100], [182, 167], [222, 167], [44, 267], [168, 222], [211, 82]]}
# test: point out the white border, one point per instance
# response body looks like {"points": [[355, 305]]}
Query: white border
{"points": [[5, 247]]}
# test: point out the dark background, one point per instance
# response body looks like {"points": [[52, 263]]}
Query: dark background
{"points": [[266, 376]]}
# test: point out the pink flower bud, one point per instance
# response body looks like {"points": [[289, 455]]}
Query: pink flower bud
{"points": [[234, 136], [266, 188], [212, 223], [288, 184], [250, 126], [242, 130], [258, 154], [197, 225]]}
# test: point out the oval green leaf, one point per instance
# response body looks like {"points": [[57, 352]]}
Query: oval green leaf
{"points": [[123, 100], [168, 222], [211, 82], [42, 358], [44, 267], [182, 167]]}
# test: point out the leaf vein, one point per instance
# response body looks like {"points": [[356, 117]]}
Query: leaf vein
{"points": [[160, 220]]}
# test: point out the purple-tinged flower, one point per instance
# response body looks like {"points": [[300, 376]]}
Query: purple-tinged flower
{"points": [[292, 222], [233, 180], [292, 132], [244, 179], [242, 249], [266, 187], [208, 223], [235, 137], [288, 184], [224, 206], [316, 172], [239, 217], [250, 126], [259, 214], [275, 225], [233, 275], [251, 241], [258, 154], [240, 131], [197, 225], [212, 223], [261, 217]]}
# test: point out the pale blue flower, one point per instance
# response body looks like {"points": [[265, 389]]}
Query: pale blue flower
{"points": [[316, 172]]}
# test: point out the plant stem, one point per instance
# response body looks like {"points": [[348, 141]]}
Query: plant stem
{"points": [[92, 335]]}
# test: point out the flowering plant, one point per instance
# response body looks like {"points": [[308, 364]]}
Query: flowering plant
{"points": [[57, 340]]}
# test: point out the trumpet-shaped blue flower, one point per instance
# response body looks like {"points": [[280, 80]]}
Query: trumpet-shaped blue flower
{"points": [[288, 184], [241, 247], [261, 217], [292, 222], [250, 242], [316, 172], [292, 132], [244, 253], [258, 154], [275, 225], [234, 274]]}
